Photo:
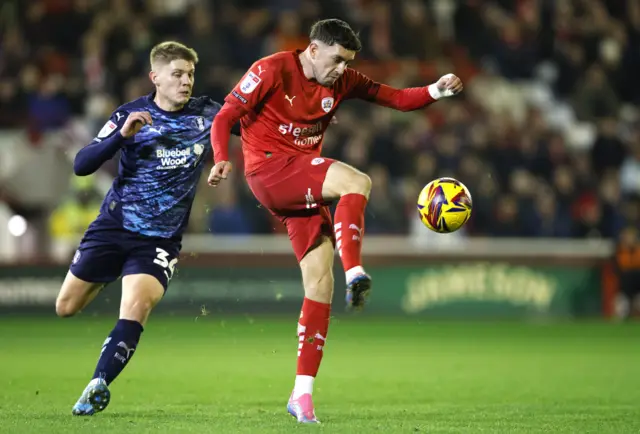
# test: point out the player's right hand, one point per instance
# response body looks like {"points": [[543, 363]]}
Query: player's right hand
{"points": [[219, 172], [134, 123]]}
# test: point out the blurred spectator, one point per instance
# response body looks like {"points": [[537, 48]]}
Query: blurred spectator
{"points": [[227, 216], [630, 172], [48, 106], [594, 96], [628, 266], [384, 215], [608, 151], [74, 214]]}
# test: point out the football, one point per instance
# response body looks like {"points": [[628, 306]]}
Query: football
{"points": [[444, 205]]}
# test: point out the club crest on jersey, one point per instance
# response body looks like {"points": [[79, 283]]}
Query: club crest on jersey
{"points": [[327, 104], [199, 123], [250, 82]]}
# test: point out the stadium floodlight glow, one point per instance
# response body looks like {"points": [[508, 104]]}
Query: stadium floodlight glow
{"points": [[17, 226]]}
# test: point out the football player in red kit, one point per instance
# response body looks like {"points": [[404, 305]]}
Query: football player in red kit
{"points": [[285, 102]]}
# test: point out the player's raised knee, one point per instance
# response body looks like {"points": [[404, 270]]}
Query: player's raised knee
{"points": [[66, 308], [343, 179], [359, 183]]}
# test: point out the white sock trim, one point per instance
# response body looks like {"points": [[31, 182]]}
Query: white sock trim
{"points": [[353, 272], [303, 384]]}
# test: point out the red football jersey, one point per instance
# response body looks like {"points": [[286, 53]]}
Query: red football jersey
{"points": [[289, 113], [284, 112]]}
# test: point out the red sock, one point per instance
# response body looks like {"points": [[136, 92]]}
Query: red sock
{"points": [[349, 229], [312, 334]]}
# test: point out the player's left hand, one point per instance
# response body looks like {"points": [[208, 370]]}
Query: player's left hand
{"points": [[219, 172], [449, 85]]}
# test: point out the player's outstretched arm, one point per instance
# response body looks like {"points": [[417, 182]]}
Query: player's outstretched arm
{"points": [[407, 99], [415, 98], [102, 148]]}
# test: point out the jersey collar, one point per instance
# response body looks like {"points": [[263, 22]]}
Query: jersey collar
{"points": [[152, 103]]}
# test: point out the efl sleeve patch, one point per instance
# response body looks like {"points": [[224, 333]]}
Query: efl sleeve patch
{"points": [[107, 129], [250, 83]]}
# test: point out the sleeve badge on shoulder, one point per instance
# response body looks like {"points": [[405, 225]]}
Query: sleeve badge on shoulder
{"points": [[250, 82], [107, 129]]}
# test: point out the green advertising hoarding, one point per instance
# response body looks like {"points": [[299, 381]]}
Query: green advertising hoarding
{"points": [[494, 289], [470, 289]]}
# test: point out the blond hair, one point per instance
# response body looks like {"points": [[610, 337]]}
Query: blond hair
{"points": [[170, 50]]}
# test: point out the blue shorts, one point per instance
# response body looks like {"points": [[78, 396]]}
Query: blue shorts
{"points": [[106, 254]]}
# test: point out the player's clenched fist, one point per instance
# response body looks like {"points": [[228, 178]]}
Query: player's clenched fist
{"points": [[447, 85], [219, 172], [134, 123]]}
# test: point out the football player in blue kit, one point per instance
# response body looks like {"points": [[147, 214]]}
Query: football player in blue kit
{"points": [[164, 142]]}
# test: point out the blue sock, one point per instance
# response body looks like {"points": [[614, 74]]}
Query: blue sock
{"points": [[118, 349]]}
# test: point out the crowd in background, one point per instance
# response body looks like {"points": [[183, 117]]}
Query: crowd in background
{"points": [[546, 134]]}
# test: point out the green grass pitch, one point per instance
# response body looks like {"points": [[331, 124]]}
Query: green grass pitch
{"points": [[234, 375]]}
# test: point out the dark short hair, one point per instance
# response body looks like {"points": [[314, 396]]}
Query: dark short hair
{"points": [[335, 31], [171, 50]]}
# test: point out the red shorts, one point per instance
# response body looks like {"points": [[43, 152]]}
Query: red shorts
{"points": [[290, 187]]}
